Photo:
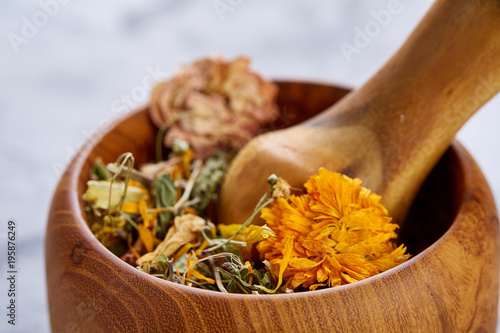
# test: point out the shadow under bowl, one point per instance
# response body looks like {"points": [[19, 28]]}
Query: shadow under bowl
{"points": [[450, 284]]}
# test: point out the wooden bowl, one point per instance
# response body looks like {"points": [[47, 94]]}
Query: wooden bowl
{"points": [[450, 284]]}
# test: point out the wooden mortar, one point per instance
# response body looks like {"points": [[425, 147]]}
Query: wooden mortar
{"points": [[449, 285]]}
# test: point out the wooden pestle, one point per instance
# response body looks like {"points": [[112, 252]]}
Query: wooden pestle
{"points": [[390, 132]]}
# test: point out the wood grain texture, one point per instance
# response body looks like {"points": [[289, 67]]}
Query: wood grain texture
{"points": [[451, 286], [391, 131]]}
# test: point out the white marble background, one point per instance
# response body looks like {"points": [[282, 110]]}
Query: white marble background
{"points": [[73, 71]]}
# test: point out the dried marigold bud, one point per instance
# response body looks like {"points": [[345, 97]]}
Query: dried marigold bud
{"points": [[281, 189]]}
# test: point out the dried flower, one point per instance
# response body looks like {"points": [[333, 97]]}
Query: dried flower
{"points": [[251, 235], [337, 233], [98, 192], [155, 170], [216, 105], [186, 229], [281, 189]]}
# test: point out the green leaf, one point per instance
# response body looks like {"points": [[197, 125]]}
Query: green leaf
{"points": [[162, 262], [99, 169], [234, 250], [263, 279], [165, 197], [237, 285], [146, 268], [181, 263]]}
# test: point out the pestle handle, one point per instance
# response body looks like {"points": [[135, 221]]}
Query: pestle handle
{"points": [[447, 69], [392, 131]]}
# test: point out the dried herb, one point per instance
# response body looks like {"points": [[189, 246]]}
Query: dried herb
{"points": [[165, 198], [211, 177], [99, 169], [156, 217]]}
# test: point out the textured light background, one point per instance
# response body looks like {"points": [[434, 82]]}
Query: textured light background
{"points": [[73, 74]]}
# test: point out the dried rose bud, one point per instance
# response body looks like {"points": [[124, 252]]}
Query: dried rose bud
{"points": [[214, 105]]}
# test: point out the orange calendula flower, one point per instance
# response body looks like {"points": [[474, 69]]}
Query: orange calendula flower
{"points": [[337, 233]]}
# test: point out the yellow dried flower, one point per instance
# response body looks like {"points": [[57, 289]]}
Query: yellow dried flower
{"points": [[98, 192], [337, 233], [185, 230], [251, 235]]}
